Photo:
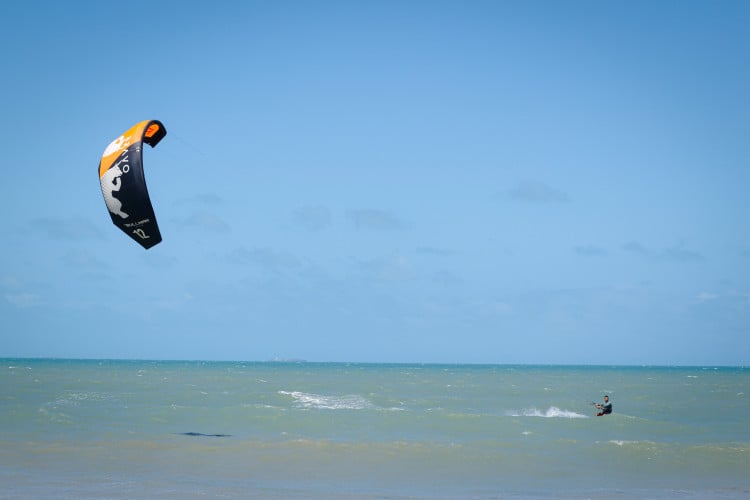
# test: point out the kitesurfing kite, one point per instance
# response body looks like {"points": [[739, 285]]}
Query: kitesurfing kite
{"points": [[124, 186]]}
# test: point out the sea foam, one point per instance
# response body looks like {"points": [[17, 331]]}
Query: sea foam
{"points": [[551, 412], [321, 402]]}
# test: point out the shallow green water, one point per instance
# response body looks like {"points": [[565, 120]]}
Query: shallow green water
{"points": [[115, 429]]}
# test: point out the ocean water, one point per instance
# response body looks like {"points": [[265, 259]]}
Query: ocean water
{"points": [[146, 429]]}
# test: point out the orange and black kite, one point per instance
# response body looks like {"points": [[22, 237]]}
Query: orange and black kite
{"points": [[124, 185]]}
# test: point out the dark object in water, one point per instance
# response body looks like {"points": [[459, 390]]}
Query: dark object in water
{"points": [[206, 435]]}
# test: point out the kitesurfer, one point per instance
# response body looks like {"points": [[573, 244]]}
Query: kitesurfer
{"points": [[604, 408]]}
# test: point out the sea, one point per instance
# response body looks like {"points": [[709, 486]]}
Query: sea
{"points": [[115, 429]]}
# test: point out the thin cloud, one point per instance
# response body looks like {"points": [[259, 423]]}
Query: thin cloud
{"points": [[376, 220], [205, 221], [201, 199], [680, 254], [83, 260], [16, 295], [314, 218], [674, 253], [447, 278], [265, 258], [23, 300], [590, 251], [395, 267], [537, 192], [58, 228], [500, 308], [730, 300], [9, 281], [636, 248], [707, 296], [434, 251], [159, 261]]}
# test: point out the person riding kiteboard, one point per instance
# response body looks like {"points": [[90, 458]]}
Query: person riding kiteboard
{"points": [[604, 408]]}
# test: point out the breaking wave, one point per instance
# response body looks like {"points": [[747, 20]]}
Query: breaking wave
{"points": [[320, 402], [551, 412]]}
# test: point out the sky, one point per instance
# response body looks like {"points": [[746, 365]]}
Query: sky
{"points": [[382, 181]]}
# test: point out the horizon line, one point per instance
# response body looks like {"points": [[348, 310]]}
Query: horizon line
{"points": [[395, 363]]}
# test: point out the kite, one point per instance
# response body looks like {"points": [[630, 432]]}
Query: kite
{"points": [[124, 185]]}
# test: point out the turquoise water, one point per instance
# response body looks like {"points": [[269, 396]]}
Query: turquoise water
{"points": [[116, 429]]}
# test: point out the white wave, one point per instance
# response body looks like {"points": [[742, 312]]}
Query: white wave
{"points": [[622, 442], [321, 402], [625, 442], [76, 398], [551, 412]]}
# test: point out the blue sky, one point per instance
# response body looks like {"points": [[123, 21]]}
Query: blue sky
{"points": [[478, 182]]}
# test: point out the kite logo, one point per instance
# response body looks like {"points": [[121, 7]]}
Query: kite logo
{"points": [[111, 182], [141, 234], [117, 145]]}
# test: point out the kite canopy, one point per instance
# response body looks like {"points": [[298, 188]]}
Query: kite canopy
{"points": [[124, 185]]}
